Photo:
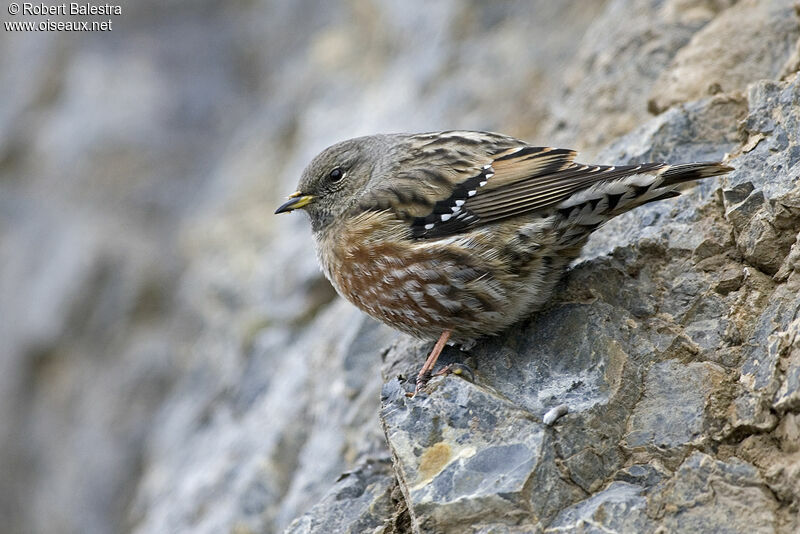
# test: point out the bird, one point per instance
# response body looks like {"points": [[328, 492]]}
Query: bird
{"points": [[455, 235]]}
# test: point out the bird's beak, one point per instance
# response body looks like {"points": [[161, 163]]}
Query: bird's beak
{"points": [[296, 200]]}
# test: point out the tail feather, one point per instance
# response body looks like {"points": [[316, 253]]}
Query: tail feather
{"points": [[595, 205], [662, 196], [678, 174]]}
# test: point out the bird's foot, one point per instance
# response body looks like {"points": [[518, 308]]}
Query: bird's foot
{"points": [[458, 369], [422, 380]]}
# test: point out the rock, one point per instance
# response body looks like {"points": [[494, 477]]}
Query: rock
{"points": [[766, 238], [672, 413], [791, 263], [770, 167], [708, 495], [748, 41], [776, 456], [761, 367], [729, 280], [618, 65], [619, 508], [278, 461], [699, 131], [740, 212], [788, 395], [644, 475], [474, 467], [748, 414], [360, 501]]}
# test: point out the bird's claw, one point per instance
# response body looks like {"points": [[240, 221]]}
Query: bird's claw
{"points": [[458, 369], [422, 381]]}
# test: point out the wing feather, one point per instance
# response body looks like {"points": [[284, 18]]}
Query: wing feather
{"points": [[535, 193], [509, 166], [457, 180]]}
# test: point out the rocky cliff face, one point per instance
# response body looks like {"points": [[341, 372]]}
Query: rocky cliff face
{"points": [[174, 361]]}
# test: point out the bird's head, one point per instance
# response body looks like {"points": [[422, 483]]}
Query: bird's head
{"points": [[334, 179]]}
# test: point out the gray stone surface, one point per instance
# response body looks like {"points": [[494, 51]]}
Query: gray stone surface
{"points": [[671, 412], [787, 398], [173, 361], [707, 495], [282, 438], [619, 508], [483, 462], [619, 63], [360, 501], [730, 52]]}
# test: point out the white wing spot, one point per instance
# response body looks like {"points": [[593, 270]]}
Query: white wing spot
{"points": [[471, 193], [446, 216], [459, 203], [482, 183], [455, 209], [429, 226]]}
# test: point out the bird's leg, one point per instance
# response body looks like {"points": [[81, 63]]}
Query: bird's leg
{"points": [[425, 373]]}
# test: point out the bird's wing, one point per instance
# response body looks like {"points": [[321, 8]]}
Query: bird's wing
{"points": [[479, 178], [517, 193]]}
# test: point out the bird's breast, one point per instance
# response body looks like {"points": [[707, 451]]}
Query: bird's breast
{"points": [[420, 287]]}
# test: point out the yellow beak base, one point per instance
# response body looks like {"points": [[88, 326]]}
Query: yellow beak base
{"points": [[296, 200]]}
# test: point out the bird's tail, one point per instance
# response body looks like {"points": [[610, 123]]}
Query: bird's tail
{"points": [[585, 211], [666, 184], [678, 174]]}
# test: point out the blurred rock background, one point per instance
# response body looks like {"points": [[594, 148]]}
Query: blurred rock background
{"points": [[173, 361]]}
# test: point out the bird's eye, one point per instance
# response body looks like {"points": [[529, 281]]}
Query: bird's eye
{"points": [[336, 174]]}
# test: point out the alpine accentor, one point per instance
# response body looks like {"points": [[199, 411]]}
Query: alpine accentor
{"points": [[456, 235]]}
